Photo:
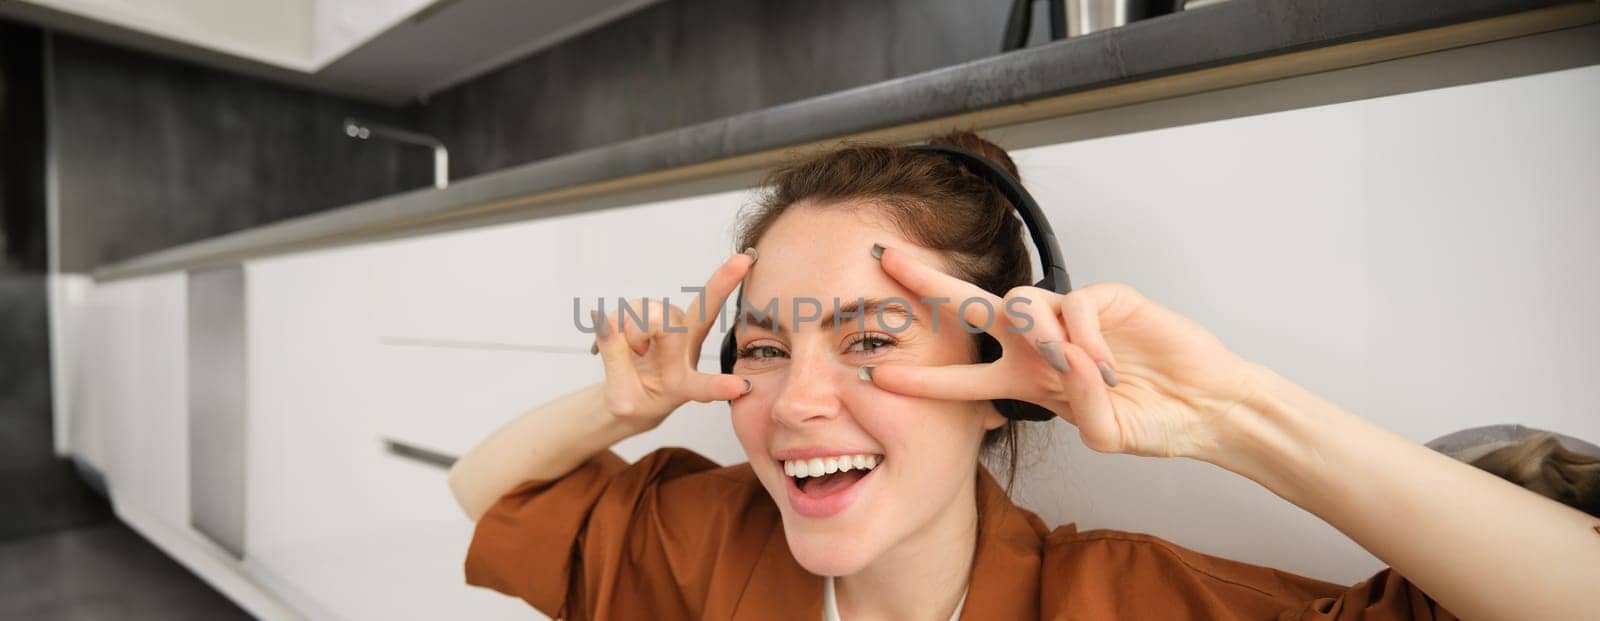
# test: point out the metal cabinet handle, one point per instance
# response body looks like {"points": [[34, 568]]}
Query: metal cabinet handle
{"points": [[419, 454]]}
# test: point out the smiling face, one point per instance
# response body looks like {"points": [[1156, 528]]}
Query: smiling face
{"points": [[808, 404]]}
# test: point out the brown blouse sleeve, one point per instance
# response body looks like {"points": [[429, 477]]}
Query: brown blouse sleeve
{"points": [[607, 532], [1135, 576]]}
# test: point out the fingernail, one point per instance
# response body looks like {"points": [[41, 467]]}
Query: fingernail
{"points": [[877, 251], [865, 372], [594, 349], [1054, 356], [601, 328], [752, 252], [1107, 374], [747, 386]]}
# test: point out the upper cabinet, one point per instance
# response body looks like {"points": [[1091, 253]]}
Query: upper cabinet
{"points": [[451, 41], [339, 26], [384, 50], [275, 33]]}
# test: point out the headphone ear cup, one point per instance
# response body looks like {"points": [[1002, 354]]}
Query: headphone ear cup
{"points": [[1022, 410], [989, 350], [730, 353]]}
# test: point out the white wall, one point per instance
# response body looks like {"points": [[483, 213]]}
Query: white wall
{"points": [[1425, 260]]}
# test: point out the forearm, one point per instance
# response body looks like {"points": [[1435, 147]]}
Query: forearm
{"points": [[544, 443], [1480, 546]]}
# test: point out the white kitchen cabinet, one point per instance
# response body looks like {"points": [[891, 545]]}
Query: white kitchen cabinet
{"points": [[449, 399], [132, 421], [514, 284], [432, 342], [337, 526]]}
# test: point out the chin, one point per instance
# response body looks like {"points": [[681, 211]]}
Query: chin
{"points": [[828, 553], [838, 545]]}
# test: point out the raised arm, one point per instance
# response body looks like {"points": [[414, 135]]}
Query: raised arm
{"points": [[543, 443], [1137, 378], [650, 372], [1479, 545]]}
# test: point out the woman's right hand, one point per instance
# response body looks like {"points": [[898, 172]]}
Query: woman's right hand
{"points": [[652, 370]]}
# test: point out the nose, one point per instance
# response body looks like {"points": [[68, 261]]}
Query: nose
{"points": [[810, 391]]}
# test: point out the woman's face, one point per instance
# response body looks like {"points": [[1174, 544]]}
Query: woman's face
{"points": [[808, 404]]}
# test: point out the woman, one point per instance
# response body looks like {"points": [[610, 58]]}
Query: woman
{"points": [[863, 439]]}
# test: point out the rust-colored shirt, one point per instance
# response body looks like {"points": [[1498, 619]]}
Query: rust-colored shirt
{"points": [[675, 536]]}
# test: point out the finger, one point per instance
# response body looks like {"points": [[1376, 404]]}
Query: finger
{"points": [[957, 382], [1090, 402], [622, 379], [1031, 311], [707, 306], [708, 387], [671, 335], [1081, 309], [636, 320], [979, 308]]}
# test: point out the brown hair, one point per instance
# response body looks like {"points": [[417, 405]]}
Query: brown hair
{"points": [[934, 203]]}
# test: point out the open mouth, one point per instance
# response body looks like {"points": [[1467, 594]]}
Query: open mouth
{"points": [[821, 486]]}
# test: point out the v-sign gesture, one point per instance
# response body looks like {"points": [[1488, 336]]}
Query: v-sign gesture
{"points": [[1132, 376], [653, 369]]}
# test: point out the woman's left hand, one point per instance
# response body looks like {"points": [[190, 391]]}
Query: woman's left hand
{"points": [[1179, 391], [1131, 375]]}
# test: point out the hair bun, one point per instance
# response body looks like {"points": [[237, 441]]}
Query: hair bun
{"points": [[966, 139]]}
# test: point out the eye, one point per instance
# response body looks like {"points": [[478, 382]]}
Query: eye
{"points": [[869, 342], [759, 352]]}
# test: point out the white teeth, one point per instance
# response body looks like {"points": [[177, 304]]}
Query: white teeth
{"points": [[818, 466]]}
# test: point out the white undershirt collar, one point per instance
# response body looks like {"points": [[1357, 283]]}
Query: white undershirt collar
{"points": [[830, 606]]}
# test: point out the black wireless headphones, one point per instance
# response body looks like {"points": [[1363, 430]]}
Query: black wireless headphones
{"points": [[1044, 239]]}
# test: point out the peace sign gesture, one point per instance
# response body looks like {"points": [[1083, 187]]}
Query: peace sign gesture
{"points": [[1132, 376], [651, 369]]}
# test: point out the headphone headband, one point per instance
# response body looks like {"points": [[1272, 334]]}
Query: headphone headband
{"points": [[1051, 265]]}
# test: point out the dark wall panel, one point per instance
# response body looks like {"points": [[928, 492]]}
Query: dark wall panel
{"points": [[22, 150], [39, 492], [689, 61], [154, 152]]}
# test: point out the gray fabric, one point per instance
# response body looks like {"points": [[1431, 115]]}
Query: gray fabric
{"points": [[1465, 439]]}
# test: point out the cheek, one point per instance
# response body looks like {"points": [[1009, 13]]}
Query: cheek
{"points": [[751, 418], [752, 424], [926, 436]]}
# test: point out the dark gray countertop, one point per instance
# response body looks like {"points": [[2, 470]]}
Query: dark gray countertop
{"points": [[1232, 32]]}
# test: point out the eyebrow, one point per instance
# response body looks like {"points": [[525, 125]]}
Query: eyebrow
{"points": [[866, 307]]}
